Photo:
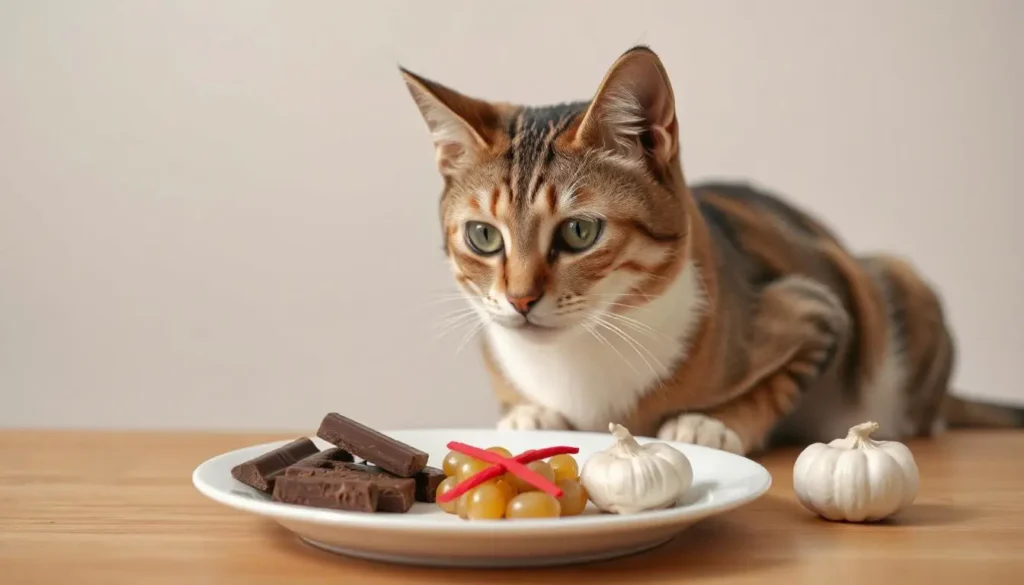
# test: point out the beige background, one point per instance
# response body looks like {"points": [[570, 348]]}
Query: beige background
{"points": [[222, 214]]}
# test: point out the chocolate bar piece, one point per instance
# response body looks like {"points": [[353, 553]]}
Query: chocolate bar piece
{"points": [[327, 458], [341, 467], [260, 472], [393, 456], [427, 481], [336, 493], [397, 494]]}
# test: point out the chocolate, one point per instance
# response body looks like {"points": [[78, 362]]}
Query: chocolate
{"points": [[427, 482], [341, 467], [397, 494], [379, 449], [261, 472], [327, 458], [323, 491]]}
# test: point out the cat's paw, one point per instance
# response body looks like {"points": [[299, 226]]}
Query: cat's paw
{"points": [[700, 429], [530, 417]]}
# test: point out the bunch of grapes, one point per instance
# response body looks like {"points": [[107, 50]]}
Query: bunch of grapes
{"points": [[508, 496]]}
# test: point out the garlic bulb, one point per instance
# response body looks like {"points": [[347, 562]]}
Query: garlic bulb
{"points": [[856, 479], [629, 477]]}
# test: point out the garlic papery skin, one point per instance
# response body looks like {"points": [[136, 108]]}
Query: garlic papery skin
{"points": [[856, 479], [628, 478]]}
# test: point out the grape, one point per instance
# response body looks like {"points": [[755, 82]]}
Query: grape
{"points": [[504, 453], [574, 497], [564, 466], [447, 485], [533, 505], [538, 466], [485, 502], [452, 462], [471, 467], [500, 451], [506, 488]]}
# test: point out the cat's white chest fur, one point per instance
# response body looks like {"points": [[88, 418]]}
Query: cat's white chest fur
{"points": [[593, 379]]}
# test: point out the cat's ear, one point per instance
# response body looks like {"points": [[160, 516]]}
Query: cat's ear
{"points": [[463, 128], [633, 112]]}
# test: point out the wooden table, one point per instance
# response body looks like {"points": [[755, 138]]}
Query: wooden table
{"points": [[120, 508]]}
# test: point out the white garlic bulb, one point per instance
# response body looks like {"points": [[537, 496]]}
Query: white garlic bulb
{"points": [[628, 477], [856, 479]]}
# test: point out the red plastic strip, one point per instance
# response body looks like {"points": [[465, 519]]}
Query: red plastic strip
{"points": [[499, 469]]}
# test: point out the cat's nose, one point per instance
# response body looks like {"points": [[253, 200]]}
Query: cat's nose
{"points": [[523, 303]]}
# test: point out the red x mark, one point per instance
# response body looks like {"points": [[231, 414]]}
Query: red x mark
{"points": [[515, 465]]}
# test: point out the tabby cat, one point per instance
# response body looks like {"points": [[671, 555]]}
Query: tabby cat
{"points": [[717, 314]]}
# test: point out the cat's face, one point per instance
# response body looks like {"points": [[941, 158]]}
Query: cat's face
{"points": [[557, 218]]}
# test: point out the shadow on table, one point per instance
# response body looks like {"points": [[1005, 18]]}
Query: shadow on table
{"points": [[931, 515], [917, 515], [705, 549]]}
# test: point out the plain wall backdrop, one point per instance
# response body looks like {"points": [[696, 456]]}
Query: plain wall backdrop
{"points": [[223, 214]]}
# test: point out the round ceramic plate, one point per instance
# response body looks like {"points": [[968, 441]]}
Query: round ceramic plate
{"points": [[427, 536]]}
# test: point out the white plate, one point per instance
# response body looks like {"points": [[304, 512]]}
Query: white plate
{"points": [[427, 536]]}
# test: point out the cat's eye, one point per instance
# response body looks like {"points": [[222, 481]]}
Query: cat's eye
{"points": [[578, 233], [483, 238]]}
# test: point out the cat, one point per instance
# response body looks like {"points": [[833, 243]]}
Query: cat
{"points": [[717, 314]]}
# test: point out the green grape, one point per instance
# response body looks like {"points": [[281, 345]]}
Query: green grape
{"points": [[533, 504]]}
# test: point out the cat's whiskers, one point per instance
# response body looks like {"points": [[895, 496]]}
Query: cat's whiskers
{"points": [[598, 295], [456, 312], [589, 325], [484, 321], [639, 326], [452, 299], [454, 320], [603, 300], [632, 342], [449, 329], [627, 306]]}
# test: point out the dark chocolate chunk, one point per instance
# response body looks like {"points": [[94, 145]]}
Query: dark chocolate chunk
{"points": [[393, 456], [397, 494], [336, 493], [260, 472], [327, 458], [427, 481]]}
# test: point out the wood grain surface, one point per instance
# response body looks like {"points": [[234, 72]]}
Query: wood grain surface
{"points": [[97, 507]]}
